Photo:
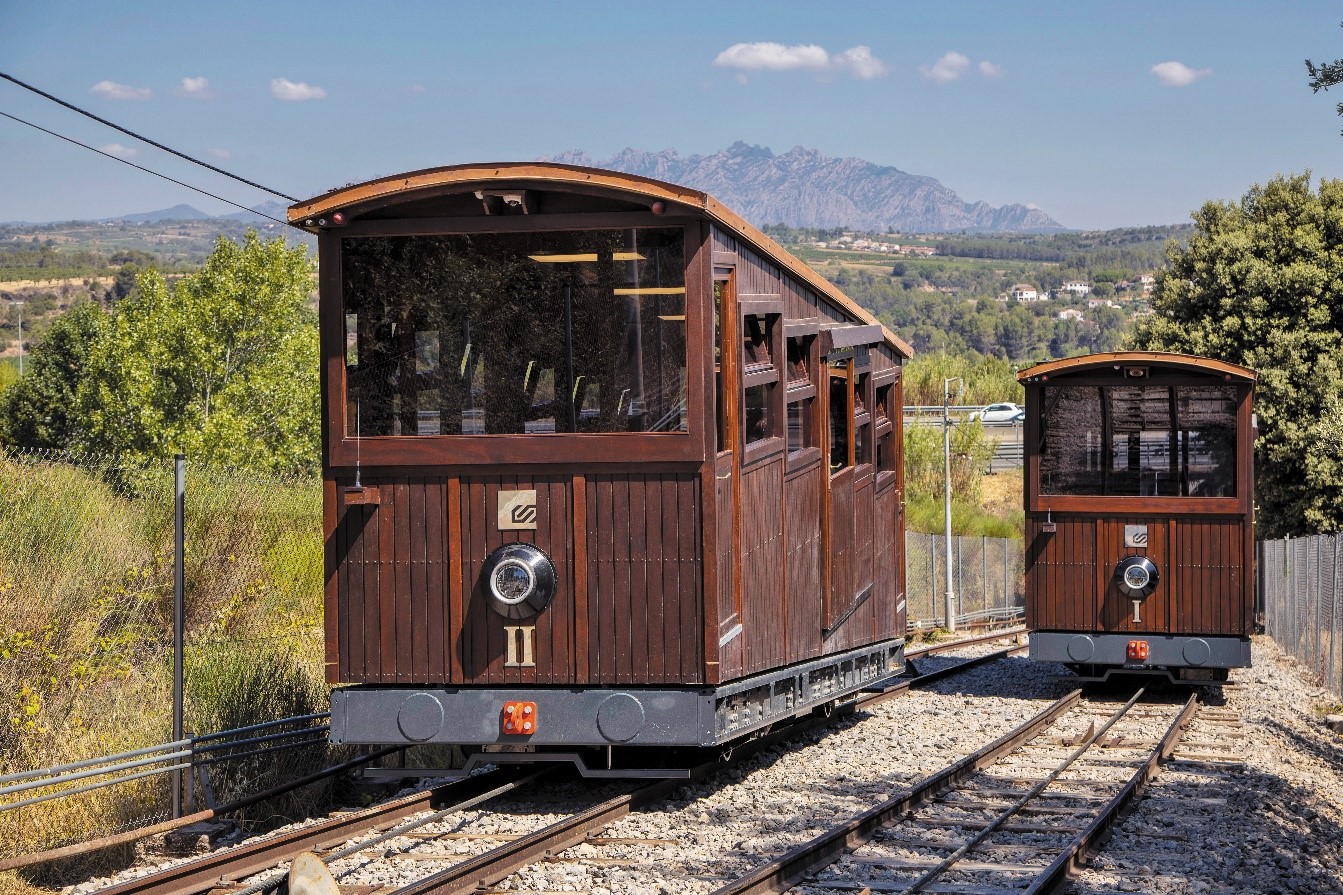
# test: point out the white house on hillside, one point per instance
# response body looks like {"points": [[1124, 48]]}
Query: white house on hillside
{"points": [[1076, 287], [1025, 293]]}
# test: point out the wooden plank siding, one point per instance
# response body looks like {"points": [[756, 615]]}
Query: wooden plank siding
{"points": [[412, 607], [1204, 577], [802, 543], [762, 559]]}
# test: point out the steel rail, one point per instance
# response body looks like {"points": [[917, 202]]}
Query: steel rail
{"points": [[794, 865], [204, 873], [94, 845], [488, 868], [1089, 837], [1006, 814]]}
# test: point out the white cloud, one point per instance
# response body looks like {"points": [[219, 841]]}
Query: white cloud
{"points": [[281, 88], [416, 90], [950, 67], [773, 57], [860, 62], [764, 56], [113, 90], [194, 88], [119, 151], [1177, 74], [219, 153], [990, 70]]}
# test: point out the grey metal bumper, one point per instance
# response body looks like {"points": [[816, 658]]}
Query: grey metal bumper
{"points": [[1163, 650], [585, 716]]}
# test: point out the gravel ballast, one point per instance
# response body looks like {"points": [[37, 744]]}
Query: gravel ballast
{"points": [[1270, 821]]}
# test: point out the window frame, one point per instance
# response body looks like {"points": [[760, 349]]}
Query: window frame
{"points": [[1102, 504], [345, 451]]}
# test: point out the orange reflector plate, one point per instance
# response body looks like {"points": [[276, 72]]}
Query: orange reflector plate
{"points": [[519, 719], [1137, 650]]}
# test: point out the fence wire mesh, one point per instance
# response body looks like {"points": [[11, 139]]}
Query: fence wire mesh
{"points": [[1301, 594], [86, 622], [987, 578]]}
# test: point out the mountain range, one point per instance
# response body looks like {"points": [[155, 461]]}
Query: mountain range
{"points": [[800, 188], [803, 188]]}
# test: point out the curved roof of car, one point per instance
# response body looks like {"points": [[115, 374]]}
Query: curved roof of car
{"points": [[405, 187], [1091, 362]]}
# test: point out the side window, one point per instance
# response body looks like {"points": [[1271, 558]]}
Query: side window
{"points": [[862, 421], [841, 415], [760, 378], [884, 427], [801, 395], [722, 306]]}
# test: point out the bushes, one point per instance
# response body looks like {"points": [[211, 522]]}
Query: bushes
{"points": [[925, 485], [86, 624]]}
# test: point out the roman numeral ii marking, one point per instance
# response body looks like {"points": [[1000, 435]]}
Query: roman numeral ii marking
{"points": [[520, 641]]}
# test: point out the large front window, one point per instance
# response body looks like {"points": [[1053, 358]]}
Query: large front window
{"points": [[1139, 441], [512, 333]]}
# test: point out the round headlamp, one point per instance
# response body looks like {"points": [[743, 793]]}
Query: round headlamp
{"points": [[1137, 576], [519, 580]]}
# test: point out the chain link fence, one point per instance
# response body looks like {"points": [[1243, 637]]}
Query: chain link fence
{"points": [[987, 578], [1302, 602], [86, 627]]}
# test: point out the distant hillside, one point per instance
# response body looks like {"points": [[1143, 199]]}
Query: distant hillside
{"points": [[176, 213], [803, 188]]}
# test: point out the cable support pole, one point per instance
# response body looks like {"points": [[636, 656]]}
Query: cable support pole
{"points": [[179, 611], [144, 139]]}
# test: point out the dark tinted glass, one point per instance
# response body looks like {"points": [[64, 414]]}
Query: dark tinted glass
{"points": [[757, 415], [497, 333], [1139, 441], [799, 425], [841, 422]]}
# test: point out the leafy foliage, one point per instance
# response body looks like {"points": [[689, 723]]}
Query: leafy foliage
{"points": [[221, 366], [1324, 76], [1261, 284], [39, 410]]}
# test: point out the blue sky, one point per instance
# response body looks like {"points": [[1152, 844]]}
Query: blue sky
{"points": [[1102, 114]]}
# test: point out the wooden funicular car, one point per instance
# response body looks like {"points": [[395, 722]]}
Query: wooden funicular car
{"points": [[607, 470]]}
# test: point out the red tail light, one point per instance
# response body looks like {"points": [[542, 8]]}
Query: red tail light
{"points": [[1137, 650]]}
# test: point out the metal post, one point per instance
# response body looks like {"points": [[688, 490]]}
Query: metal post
{"points": [[932, 564], [946, 472], [984, 576], [20, 304], [179, 613]]}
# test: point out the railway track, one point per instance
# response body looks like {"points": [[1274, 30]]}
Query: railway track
{"points": [[1014, 817], [436, 820]]}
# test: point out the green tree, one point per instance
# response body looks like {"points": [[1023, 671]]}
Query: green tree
{"points": [[39, 411], [1324, 76], [222, 366], [1261, 284]]}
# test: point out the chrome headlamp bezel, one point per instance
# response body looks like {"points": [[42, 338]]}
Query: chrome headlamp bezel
{"points": [[1137, 576], [537, 570]]}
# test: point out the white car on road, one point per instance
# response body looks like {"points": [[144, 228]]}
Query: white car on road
{"points": [[1000, 413]]}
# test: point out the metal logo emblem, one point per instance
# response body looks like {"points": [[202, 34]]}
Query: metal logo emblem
{"points": [[517, 510], [1135, 535]]}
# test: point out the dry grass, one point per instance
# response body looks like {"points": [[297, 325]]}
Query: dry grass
{"points": [[1002, 493], [85, 632]]}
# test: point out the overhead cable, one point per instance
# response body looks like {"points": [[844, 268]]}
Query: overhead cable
{"points": [[142, 168], [130, 133]]}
